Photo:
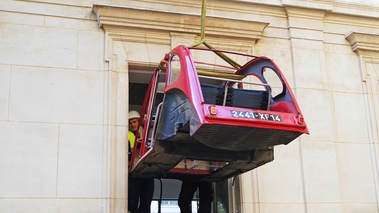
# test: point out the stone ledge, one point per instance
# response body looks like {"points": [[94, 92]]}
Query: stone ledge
{"points": [[166, 22], [326, 5], [363, 42]]}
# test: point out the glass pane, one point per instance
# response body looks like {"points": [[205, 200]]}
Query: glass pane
{"points": [[170, 206], [274, 81], [222, 197], [255, 83], [175, 68]]}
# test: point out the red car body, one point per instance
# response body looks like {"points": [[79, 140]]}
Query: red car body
{"points": [[207, 125]]}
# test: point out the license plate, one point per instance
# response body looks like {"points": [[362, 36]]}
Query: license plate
{"points": [[256, 115]]}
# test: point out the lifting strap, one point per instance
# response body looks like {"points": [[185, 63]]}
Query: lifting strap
{"points": [[202, 39], [220, 75]]}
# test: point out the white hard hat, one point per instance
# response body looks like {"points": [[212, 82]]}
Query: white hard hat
{"points": [[133, 114]]}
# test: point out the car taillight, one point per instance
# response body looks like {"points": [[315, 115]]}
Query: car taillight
{"points": [[299, 119], [213, 110]]}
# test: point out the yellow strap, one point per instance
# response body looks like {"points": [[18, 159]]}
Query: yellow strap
{"points": [[202, 32], [223, 56], [220, 75], [215, 74], [202, 38]]}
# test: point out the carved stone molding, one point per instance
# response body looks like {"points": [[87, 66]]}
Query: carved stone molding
{"points": [[312, 4], [304, 12], [157, 25], [364, 43]]}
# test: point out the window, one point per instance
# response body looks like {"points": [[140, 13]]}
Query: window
{"points": [[254, 83], [175, 68], [274, 81]]}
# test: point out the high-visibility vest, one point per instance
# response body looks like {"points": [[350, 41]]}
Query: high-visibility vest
{"points": [[131, 139]]}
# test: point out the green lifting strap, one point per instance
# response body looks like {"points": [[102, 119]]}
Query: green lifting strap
{"points": [[202, 39]]}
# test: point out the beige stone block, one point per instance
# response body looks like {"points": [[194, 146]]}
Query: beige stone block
{"points": [[335, 28], [371, 73], [28, 159], [318, 114], [80, 161], [338, 25], [344, 73], [119, 97], [249, 207], [142, 52], [280, 180], [182, 38], [357, 10], [344, 49], [5, 74], [156, 53], [21, 18], [80, 24], [119, 156], [309, 68], [305, 23], [328, 47], [355, 169], [366, 207], [42, 205], [325, 207], [282, 207], [91, 50], [249, 188], [336, 39], [321, 178], [38, 46], [71, 2], [300, 43], [370, 3], [299, 5], [277, 42], [277, 21], [51, 8], [57, 95], [351, 119]]}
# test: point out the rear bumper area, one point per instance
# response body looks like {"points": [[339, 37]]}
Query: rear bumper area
{"points": [[231, 137]]}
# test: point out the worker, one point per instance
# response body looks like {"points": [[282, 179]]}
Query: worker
{"points": [[140, 190], [187, 191]]}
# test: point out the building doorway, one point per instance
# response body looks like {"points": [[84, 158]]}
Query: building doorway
{"points": [[168, 189]]}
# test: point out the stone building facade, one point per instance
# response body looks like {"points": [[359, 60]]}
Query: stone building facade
{"points": [[65, 67]]}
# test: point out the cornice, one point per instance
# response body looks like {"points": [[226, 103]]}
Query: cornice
{"points": [[326, 5], [356, 9], [354, 21], [118, 18], [305, 12], [363, 42]]}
